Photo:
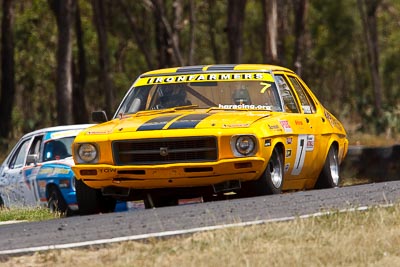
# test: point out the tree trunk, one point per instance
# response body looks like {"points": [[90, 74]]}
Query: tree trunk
{"points": [[192, 43], [140, 40], [177, 26], [163, 57], [270, 16], [300, 9], [282, 30], [105, 82], [80, 111], [368, 16], [7, 69], [236, 11], [212, 31], [64, 13], [171, 34]]}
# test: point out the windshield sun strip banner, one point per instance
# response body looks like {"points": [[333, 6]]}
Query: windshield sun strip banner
{"points": [[204, 77]]}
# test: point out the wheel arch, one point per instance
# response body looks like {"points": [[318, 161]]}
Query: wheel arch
{"points": [[333, 143], [281, 147], [49, 187]]}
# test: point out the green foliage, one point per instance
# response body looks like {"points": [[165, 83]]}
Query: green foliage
{"points": [[35, 46], [26, 214]]}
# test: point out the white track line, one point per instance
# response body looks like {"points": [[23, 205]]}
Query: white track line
{"points": [[11, 222], [177, 232]]}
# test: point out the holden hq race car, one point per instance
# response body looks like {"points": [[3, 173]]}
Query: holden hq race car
{"points": [[208, 131]]}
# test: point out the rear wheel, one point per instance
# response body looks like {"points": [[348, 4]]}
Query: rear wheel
{"points": [[329, 177], [91, 201], [271, 180], [56, 202]]}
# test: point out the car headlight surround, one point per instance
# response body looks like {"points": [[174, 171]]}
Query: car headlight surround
{"points": [[87, 153], [244, 145]]}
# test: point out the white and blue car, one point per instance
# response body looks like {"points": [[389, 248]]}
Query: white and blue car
{"points": [[38, 170]]}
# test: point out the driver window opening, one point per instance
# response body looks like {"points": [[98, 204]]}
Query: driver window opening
{"points": [[286, 94]]}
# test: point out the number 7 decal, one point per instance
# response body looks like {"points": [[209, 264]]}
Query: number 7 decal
{"points": [[300, 154]]}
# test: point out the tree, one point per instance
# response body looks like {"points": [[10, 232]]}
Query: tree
{"points": [[139, 37], [211, 21], [192, 19], [64, 13], [105, 82], [80, 112], [270, 18], [167, 35], [7, 68], [368, 10], [236, 15], [300, 9]]}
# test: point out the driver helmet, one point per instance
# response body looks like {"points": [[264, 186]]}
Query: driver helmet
{"points": [[241, 96]]}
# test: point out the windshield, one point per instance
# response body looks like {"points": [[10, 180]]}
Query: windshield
{"points": [[255, 95], [58, 149]]}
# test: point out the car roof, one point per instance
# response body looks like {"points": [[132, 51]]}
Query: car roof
{"points": [[217, 68], [58, 129]]}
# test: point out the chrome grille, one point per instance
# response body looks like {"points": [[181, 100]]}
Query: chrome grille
{"points": [[165, 150]]}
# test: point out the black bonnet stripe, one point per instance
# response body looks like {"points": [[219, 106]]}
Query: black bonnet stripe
{"points": [[156, 123], [190, 69], [189, 121], [221, 67]]}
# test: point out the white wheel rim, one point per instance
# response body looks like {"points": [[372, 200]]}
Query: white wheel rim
{"points": [[275, 170], [334, 167]]}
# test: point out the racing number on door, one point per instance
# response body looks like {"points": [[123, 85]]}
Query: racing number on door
{"points": [[300, 154]]}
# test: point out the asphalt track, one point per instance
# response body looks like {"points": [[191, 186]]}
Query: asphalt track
{"points": [[139, 224]]}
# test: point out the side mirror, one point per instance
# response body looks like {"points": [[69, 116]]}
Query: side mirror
{"points": [[32, 159], [99, 116]]}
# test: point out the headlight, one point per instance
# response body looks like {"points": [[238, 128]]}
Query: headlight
{"points": [[244, 145], [87, 152]]}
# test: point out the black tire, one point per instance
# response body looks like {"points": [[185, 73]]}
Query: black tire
{"points": [[56, 202], [92, 201], [271, 180], [211, 197], [1, 203], [329, 176], [155, 201]]}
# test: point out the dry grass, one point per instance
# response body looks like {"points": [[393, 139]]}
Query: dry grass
{"points": [[388, 138], [363, 139], [369, 238]]}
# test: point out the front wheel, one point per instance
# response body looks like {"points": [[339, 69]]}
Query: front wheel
{"points": [[1, 203], [56, 202], [271, 180], [92, 201], [329, 177]]}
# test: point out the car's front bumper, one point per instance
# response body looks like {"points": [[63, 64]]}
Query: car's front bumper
{"points": [[170, 175]]}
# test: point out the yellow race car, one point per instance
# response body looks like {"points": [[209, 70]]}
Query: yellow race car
{"points": [[205, 131]]}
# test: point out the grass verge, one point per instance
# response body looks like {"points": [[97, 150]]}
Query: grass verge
{"points": [[361, 238], [26, 214]]}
